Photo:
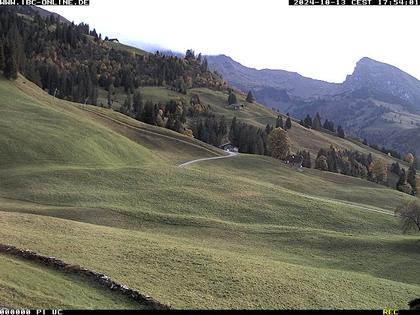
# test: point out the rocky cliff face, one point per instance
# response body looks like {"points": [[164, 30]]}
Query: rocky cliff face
{"points": [[385, 82]]}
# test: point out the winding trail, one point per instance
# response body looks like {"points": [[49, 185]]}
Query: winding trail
{"points": [[356, 205], [230, 155]]}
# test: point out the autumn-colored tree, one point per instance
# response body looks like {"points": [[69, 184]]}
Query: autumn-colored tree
{"points": [[409, 213], [409, 158], [188, 132], [279, 144], [379, 170], [321, 163]]}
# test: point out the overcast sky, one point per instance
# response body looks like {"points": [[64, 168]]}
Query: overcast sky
{"points": [[318, 42]]}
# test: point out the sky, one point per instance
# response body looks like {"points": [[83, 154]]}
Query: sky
{"points": [[318, 42]]}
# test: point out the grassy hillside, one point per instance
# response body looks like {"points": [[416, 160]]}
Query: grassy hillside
{"points": [[28, 99], [101, 190], [122, 47], [256, 114], [30, 285]]}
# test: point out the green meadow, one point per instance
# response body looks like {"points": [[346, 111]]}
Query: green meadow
{"points": [[252, 113], [29, 285], [96, 188]]}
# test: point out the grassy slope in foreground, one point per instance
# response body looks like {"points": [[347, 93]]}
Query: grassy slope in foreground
{"points": [[246, 232], [31, 285]]}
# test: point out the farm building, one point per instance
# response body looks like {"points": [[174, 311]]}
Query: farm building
{"points": [[294, 160], [228, 147], [236, 106]]}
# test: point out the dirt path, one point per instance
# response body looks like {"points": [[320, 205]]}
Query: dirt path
{"points": [[231, 154]]}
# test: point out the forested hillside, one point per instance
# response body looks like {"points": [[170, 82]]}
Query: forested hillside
{"points": [[72, 62]]}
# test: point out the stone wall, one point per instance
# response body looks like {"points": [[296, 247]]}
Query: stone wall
{"points": [[92, 275]]}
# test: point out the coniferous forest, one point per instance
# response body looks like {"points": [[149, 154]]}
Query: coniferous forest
{"points": [[72, 62]]}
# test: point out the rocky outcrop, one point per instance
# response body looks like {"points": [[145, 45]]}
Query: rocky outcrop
{"points": [[90, 274]]}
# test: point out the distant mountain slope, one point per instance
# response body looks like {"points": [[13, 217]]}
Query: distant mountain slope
{"points": [[246, 79], [384, 82], [377, 101]]}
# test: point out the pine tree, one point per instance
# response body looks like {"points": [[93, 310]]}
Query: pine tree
{"points": [[329, 125], [332, 160], [1, 56], [190, 55], [93, 95], [326, 124], [395, 168], [316, 123], [250, 98], [288, 124], [233, 138], [307, 121], [340, 132], [177, 125], [204, 65], [411, 176], [222, 129], [10, 67], [260, 146], [148, 115], [369, 159], [401, 179], [126, 107], [137, 104], [232, 99], [307, 159], [110, 91], [279, 122]]}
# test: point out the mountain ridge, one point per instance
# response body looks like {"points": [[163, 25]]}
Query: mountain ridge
{"points": [[270, 78], [375, 91]]}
